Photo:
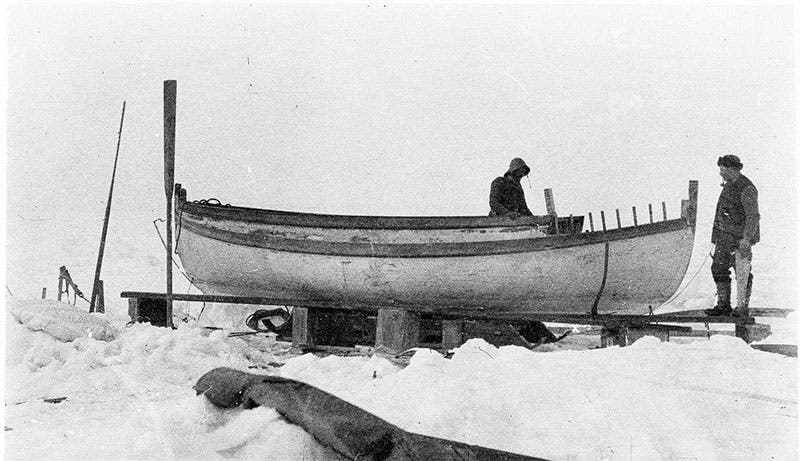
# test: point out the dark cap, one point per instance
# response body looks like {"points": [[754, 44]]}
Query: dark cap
{"points": [[730, 161]]}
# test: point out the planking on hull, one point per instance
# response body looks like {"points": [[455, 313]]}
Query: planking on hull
{"points": [[502, 264]]}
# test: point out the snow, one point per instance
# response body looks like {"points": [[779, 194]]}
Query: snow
{"points": [[712, 399]]}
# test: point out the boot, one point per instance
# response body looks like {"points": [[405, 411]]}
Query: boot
{"points": [[723, 306]]}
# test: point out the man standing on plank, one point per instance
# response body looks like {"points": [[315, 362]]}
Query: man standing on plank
{"points": [[736, 230]]}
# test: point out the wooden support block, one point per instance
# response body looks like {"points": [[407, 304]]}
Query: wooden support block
{"points": [[303, 326], [397, 330], [752, 332], [133, 309], [613, 336], [452, 334]]}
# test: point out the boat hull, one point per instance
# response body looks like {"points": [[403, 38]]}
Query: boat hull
{"points": [[499, 267]]}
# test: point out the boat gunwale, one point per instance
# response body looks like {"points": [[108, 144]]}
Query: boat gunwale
{"points": [[328, 221], [437, 249]]}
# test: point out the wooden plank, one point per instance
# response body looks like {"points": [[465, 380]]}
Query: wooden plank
{"points": [[397, 330], [456, 312], [789, 350], [754, 312]]}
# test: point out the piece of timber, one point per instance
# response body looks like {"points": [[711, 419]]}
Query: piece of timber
{"points": [[339, 425], [458, 311], [789, 350], [754, 312]]}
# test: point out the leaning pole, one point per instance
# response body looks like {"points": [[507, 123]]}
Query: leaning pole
{"points": [[170, 90]]}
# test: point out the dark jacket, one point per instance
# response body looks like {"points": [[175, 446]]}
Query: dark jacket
{"points": [[506, 196], [737, 211]]}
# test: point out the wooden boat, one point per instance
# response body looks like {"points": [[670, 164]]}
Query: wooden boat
{"points": [[528, 264]]}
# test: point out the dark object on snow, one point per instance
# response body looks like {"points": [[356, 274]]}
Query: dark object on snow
{"points": [[224, 387], [278, 321], [337, 424], [536, 332]]}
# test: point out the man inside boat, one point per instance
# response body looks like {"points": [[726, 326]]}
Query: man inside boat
{"points": [[506, 197], [735, 231]]}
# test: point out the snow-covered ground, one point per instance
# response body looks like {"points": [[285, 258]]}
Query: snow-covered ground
{"points": [[129, 395]]}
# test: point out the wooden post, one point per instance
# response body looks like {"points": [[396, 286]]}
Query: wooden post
{"points": [[591, 222], [635, 221], [303, 327], [93, 299], [691, 210], [100, 305], [133, 309], [551, 207], [60, 286], [44, 292], [650, 209], [664, 209], [603, 219], [170, 96], [397, 330], [619, 223]]}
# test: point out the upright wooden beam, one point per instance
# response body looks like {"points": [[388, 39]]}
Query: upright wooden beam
{"points": [[93, 299], [452, 333], [170, 95], [397, 330], [549, 202], [303, 327]]}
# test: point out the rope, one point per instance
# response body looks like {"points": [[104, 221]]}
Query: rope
{"points": [[164, 244]]}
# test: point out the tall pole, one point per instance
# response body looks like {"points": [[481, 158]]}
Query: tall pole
{"points": [[95, 285], [170, 91]]}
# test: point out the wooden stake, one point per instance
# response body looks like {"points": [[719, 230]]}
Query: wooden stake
{"points": [[93, 300], [170, 97], [591, 222], [650, 209], [44, 292], [101, 300], [664, 209], [619, 223], [548, 200], [635, 221], [603, 219]]}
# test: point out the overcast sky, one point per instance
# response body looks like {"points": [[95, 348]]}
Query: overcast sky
{"points": [[396, 109]]}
